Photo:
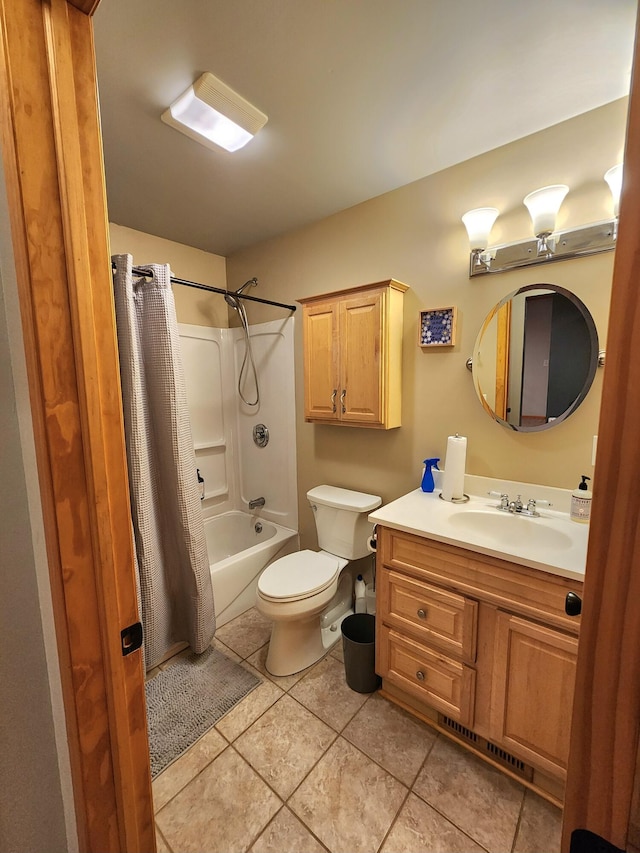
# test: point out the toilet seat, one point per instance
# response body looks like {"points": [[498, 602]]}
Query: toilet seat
{"points": [[299, 575]]}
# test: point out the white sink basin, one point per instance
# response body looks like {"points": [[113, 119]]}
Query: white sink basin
{"points": [[509, 528]]}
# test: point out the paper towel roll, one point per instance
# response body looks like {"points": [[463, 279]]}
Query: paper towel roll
{"points": [[454, 465]]}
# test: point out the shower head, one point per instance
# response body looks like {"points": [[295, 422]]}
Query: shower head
{"points": [[231, 298], [253, 282]]}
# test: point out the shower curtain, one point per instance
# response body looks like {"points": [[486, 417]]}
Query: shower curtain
{"points": [[176, 597]]}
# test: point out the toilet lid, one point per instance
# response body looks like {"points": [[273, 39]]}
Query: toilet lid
{"points": [[298, 575]]}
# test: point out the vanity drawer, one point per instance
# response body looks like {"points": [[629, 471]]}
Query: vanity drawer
{"points": [[439, 681], [433, 615], [531, 592]]}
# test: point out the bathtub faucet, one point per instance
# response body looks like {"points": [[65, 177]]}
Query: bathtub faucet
{"points": [[256, 503]]}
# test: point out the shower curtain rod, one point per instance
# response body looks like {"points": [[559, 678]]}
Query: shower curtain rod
{"points": [[174, 280]]}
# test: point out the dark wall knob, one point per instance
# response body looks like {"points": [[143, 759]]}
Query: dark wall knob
{"points": [[572, 604]]}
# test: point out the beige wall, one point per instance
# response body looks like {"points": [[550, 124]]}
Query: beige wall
{"points": [[414, 234], [192, 305]]}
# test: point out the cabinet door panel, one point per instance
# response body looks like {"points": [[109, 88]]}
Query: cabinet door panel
{"points": [[321, 380], [361, 358], [532, 692]]}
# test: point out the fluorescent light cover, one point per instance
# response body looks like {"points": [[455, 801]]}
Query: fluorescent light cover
{"points": [[210, 112]]}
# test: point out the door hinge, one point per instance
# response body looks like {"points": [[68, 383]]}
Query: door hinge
{"points": [[131, 638]]}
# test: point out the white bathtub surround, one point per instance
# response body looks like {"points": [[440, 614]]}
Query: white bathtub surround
{"points": [[552, 542], [238, 553], [270, 471], [235, 470]]}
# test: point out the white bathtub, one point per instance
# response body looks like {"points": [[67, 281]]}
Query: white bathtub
{"points": [[237, 555]]}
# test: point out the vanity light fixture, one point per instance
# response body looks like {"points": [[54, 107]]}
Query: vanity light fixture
{"points": [[479, 223], [211, 113], [549, 244], [543, 206], [613, 177]]}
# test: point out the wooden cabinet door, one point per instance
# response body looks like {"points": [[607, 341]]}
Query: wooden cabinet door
{"points": [[321, 378], [532, 692], [361, 367]]}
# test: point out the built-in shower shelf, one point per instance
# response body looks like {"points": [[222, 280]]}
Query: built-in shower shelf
{"points": [[210, 445], [216, 493]]}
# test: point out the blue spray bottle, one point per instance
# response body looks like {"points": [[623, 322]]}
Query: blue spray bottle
{"points": [[427, 477]]}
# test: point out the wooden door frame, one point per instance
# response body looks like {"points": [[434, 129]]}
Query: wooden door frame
{"points": [[606, 710], [60, 237], [52, 158]]}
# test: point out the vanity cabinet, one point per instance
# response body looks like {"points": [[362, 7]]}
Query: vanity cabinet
{"points": [[480, 648], [353, 356]]}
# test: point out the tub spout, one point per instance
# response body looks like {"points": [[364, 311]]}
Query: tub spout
{"points": [[256, 503]]}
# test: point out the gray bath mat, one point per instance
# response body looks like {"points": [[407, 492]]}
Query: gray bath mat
{"points": [[185, 700]]}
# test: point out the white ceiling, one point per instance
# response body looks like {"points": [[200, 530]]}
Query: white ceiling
{"points": [[363, 96]]}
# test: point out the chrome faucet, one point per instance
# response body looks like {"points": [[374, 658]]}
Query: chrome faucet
{"points": [[256, 503], [517, 506]]}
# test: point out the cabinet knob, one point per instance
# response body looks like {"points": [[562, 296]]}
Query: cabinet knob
{"points": [[420, 675], [333, 398], [342, 396], [422, 613], [572, 604]]}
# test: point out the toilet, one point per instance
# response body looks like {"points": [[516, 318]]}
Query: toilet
{"points": [[306, 594]]}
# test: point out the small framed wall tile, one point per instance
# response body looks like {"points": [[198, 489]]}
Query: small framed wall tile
{"points": [[438, 327]]}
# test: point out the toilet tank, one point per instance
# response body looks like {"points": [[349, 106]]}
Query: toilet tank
{"points": [[341, 520]]}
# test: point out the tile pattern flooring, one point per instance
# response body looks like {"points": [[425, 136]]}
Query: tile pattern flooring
{"points": [[306, 765]]}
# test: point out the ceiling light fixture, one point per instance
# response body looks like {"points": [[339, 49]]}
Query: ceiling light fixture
{"points": [[211, 113], [549, 245]]}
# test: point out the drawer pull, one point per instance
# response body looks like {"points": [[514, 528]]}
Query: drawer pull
{"points": [[420, 675], [422, 613]]}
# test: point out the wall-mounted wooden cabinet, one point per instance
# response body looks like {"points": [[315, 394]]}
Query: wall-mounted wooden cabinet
{"points": [[353, 356], [480, 648]]}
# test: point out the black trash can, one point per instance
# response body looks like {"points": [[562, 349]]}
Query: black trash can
{"points": [[359, 645]]}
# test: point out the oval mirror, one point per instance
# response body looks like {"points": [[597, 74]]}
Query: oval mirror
{"points": [[535, 357]]}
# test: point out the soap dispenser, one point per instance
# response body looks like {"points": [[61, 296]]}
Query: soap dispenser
{"points": [[427, 478], [581, 502]]}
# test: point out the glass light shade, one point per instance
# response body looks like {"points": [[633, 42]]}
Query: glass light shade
{"points": [[479, 223], [543, 206], [614, 178]]}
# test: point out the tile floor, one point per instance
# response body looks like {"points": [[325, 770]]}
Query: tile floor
{"points": [[306, 765]]}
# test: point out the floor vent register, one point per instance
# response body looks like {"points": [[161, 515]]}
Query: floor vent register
{"points": [[485, 747]]}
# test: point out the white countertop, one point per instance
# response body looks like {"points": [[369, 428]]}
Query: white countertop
{"points": [[552, 542]]}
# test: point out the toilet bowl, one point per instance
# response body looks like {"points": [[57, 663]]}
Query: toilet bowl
{"points": [[307, 594]]}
